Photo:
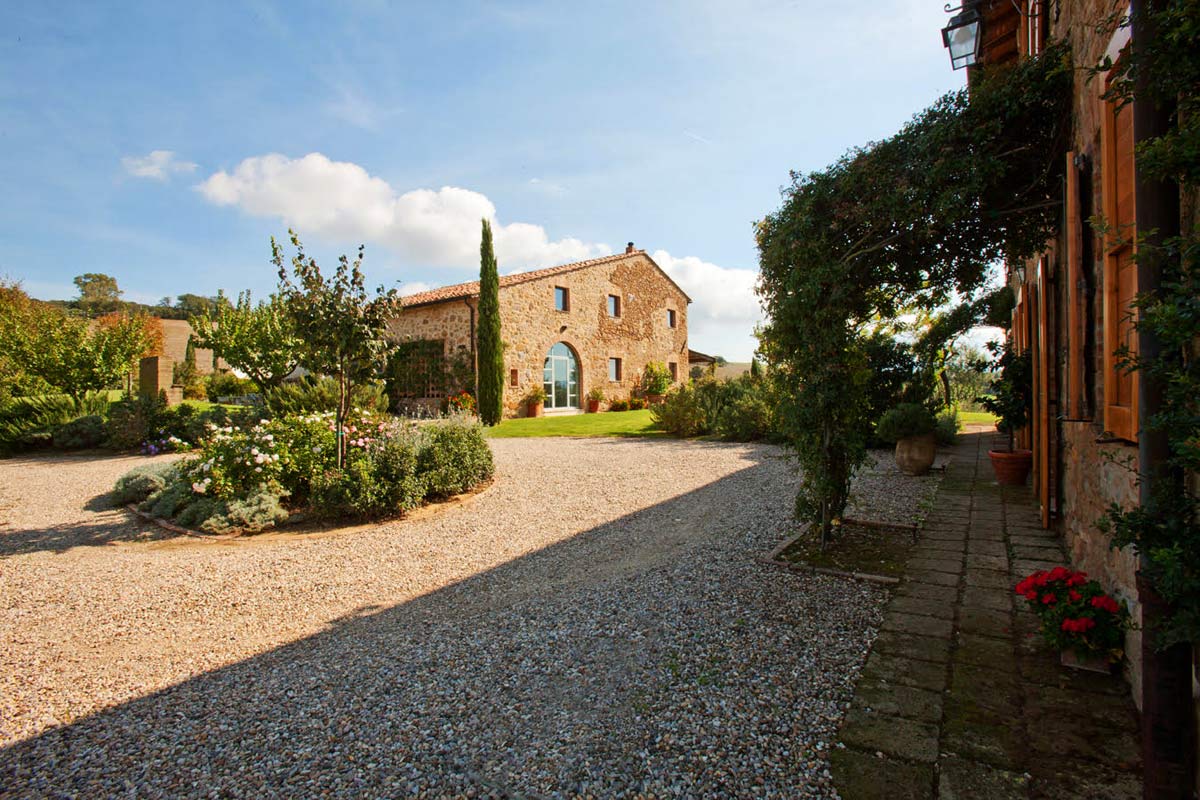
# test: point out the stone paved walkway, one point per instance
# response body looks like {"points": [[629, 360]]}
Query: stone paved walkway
{"points": [[959, 697]]}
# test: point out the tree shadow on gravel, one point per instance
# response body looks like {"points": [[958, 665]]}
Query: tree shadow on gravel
{"points": [[60, 538], [646, 653]]}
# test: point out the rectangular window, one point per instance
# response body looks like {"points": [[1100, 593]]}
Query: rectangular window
{"points": [[513, 378], [670, 318], [562, 298], [674, 368], [614, 305], [1120, 271], [614, 369]]}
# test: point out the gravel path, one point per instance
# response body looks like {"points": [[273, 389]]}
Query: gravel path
{"points": [[595, 624]]}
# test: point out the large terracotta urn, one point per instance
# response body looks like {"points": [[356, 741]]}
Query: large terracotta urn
{"points": [[1011, 466]]}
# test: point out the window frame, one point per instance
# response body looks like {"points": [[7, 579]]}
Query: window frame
{"points": [[614, 369], [614, 306], [672, 318], [566, 299]]}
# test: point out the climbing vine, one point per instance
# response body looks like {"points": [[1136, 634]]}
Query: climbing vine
{"points": [[901, 224]]}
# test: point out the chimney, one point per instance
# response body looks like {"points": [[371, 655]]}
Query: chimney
{"points": [[629, 247]]}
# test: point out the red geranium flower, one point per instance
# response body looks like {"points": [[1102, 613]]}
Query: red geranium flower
{"points": [[1081, 625], [1106, 603], [1048, 599], [1077, 579], [1074, 595]]}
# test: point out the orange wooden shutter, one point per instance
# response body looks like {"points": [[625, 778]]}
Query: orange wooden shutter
{"points": [[1120, 270]]}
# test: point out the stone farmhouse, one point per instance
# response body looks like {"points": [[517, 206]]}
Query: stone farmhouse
{"points": [[567, 329]]}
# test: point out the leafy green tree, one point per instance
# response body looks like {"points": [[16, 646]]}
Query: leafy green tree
{"points": [[489, 347], [258, 340], [98, 292], [71, 354], [341, 329], [902, 224]]}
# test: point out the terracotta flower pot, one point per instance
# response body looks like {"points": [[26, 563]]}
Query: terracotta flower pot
{"points": [[533, 409], [1011, 468], [915, 454], [655, 399], [593, 406]]}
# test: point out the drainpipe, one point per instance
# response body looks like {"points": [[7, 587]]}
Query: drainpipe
{"points": [[1168, 712]]}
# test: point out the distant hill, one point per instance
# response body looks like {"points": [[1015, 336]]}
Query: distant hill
{"points": [[733, 369]]}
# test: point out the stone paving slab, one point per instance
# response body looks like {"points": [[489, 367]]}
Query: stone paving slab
{"points": [[960, 697], [931, 591]]}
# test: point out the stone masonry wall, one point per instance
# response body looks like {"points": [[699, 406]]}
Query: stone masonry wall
{"points": [[530, 326], [1093, 475]]}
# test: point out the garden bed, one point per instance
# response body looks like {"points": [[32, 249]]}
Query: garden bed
{"points": [[860, 549]]}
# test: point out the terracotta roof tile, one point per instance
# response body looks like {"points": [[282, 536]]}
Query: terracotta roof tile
{"points": [[471, 288]]}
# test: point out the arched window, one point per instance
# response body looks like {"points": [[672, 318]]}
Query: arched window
{"points": [[560, 377]]}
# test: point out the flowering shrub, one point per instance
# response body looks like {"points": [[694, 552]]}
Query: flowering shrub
{"points": [[1076, 614], [239, 476], [618, 405], [461, 403]]}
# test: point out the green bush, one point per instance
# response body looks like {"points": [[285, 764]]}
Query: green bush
{"points": [[31, 421], [905, 421], [618, 405], [656, 379], [226, 384], [141, 482], [134, 421], [748, 417], [636, 403], [455, 458], [312, 394], [680, 414], [947, 428], [81, 434]]}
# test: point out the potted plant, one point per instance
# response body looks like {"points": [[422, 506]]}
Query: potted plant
{"points": [[1010, 399], [1086, 625], [594, 398], [534, 400], [912, 427], [655, 382]]}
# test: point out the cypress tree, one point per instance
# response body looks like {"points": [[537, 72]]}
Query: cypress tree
{"points": [[489, 350]]}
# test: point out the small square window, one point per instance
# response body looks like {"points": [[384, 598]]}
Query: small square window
{"points": [[614, 305], [614, 369], [513, 378], [674, 368], [670, 318], [562, 298]]}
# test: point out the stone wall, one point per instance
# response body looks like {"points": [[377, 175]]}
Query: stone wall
{"points": [[1093, 475], [530, 326]]}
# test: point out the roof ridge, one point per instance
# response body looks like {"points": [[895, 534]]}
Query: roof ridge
{"points": [[466, 289]]}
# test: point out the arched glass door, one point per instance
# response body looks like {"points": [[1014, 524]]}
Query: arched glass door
{"points": [[560, 378]]}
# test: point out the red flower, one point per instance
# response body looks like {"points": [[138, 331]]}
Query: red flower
{"points": [[1077, 579], [1081, 625], [1031, 594], [1058, 574], [1106, 603], [1074, 595], [1049, 599]]}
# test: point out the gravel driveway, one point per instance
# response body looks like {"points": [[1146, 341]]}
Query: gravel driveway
{"points": [[595, 623]]}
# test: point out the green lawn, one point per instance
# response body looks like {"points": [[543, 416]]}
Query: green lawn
{"points": [[606, 423], [976, 418]]}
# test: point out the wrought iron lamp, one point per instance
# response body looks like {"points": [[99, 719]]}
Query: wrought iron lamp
{"points": [[961, 36]]}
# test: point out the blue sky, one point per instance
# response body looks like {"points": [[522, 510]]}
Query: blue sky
{"points": [[164, 143]]}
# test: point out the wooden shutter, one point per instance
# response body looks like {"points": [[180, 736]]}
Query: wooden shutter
{"points": [[1043, 355], [1120, 269]]}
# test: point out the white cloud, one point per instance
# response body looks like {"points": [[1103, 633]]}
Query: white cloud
{"points": [[415, 287], [549, 188], [158, 164], [719, 294], [341, 200]]}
